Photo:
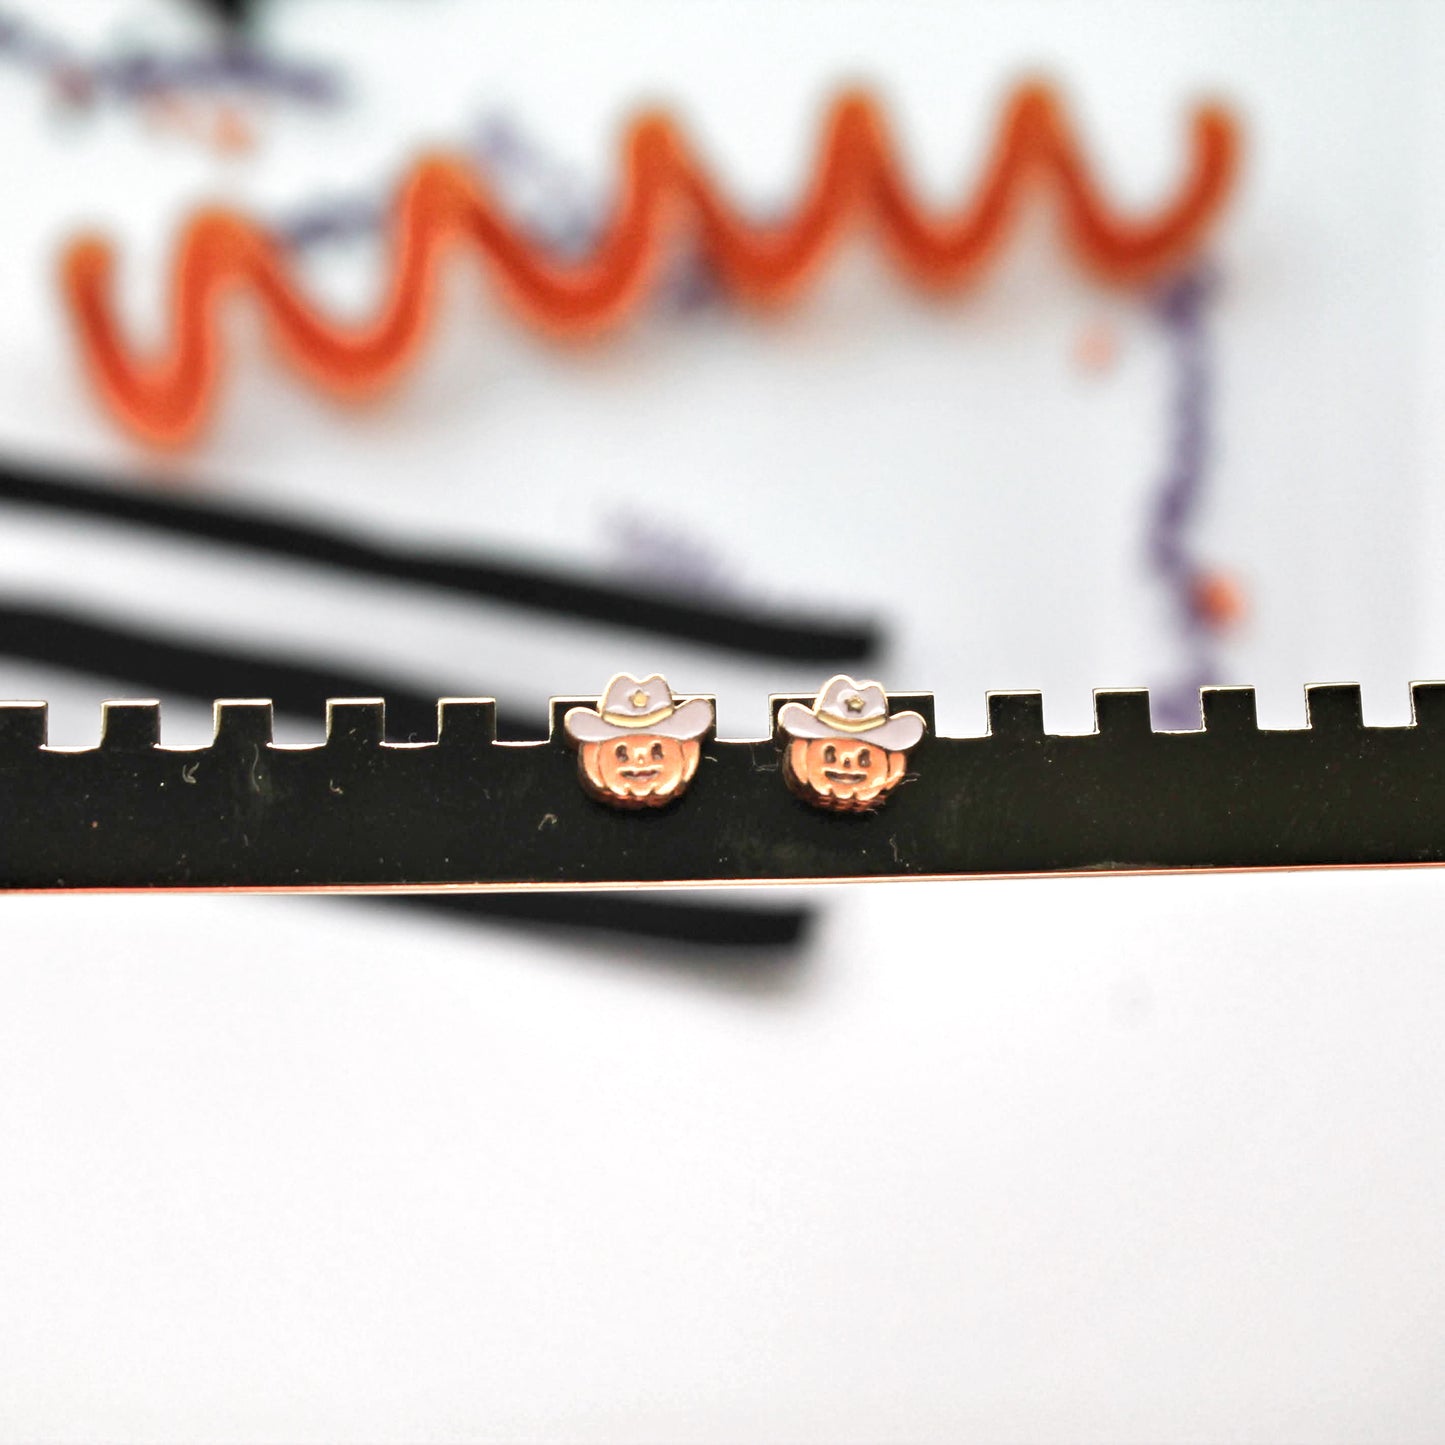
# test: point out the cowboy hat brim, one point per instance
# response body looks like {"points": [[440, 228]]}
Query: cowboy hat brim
{"points": [[686, 721], [899, 733]]}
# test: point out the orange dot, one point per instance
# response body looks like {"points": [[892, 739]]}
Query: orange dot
{"points": [[73, 86], [1219, 600], [1097, 348], [232, 134], [162, 110]]}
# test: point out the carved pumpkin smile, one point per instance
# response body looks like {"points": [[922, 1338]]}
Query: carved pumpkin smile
{"points": [[638, 770], [644, 770], [842, 775]]}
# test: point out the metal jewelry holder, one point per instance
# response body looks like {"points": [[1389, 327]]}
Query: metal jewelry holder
{"points": [[467, 812]]}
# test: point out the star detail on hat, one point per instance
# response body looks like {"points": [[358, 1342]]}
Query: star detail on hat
{"points": [[631, 706], [853, 711]]}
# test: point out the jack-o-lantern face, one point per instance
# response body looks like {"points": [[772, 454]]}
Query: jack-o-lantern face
{"points": [[642, 771], [847, 776]]}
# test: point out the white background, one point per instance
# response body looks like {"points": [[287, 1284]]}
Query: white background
{"points": [[1093, 1160]]}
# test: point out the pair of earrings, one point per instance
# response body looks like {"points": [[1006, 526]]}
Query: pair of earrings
{"points": [[640, 747]]}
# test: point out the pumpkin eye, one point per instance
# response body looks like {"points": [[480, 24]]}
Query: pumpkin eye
{"points": [[830, 754], [864, 757], [657, 752], [621, 751]]}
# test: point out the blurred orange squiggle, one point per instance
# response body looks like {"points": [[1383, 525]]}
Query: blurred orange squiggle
{"points": [[664, 190]]}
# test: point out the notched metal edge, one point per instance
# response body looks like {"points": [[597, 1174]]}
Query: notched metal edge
{"points": [[471, 722]]}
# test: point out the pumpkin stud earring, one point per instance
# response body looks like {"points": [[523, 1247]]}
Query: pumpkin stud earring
{"points": [[639, 747], [847, 753]]}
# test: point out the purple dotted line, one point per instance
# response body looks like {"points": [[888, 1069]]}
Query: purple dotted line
{"points": [[1182, 309], [678, 561]]}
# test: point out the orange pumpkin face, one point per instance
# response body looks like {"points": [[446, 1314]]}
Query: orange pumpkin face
{"points": [[847, 776], [645, 771]]}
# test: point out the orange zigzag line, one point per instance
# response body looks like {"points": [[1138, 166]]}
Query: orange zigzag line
{"points": [[664, 191]]}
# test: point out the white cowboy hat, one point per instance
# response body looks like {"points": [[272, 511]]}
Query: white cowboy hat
{"points": [[630, 707], [853, 712]]}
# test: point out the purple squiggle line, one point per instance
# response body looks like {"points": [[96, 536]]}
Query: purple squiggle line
{"points": [[1181, 306], [545, 196]]}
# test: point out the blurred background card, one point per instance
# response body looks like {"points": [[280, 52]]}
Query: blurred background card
{"points": [[1138, 1160]]}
